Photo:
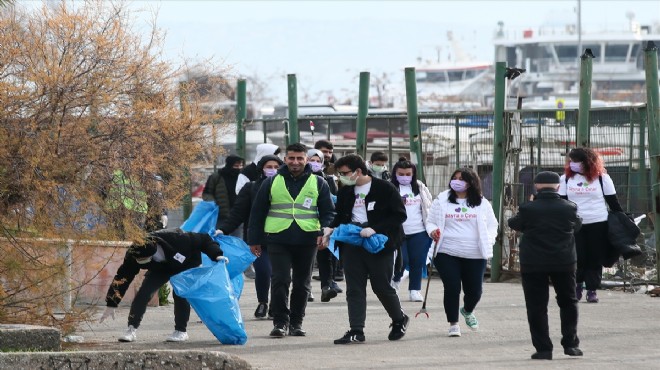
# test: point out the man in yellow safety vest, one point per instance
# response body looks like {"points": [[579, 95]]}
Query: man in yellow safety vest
{"points": [[288, 214]]}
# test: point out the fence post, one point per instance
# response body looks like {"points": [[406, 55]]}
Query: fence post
{"points": [[294, 133], [498, 167], [585, 99], [413, 123], [653, 104], [241, 114], [363, 108]]}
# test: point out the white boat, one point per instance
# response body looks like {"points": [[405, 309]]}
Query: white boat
{"points": [[551, 57]]}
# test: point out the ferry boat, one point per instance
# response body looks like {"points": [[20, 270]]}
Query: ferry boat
{"points": [[551, 57]]}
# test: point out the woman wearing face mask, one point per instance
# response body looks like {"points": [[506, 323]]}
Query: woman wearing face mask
{"points": [[586, 183], [240, 213], [324, 258], [463, 224], [415, 247]]}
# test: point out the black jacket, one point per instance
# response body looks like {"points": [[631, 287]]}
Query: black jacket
{"points": [[175, 243], [548, 224], [221, 188], [294, 235], [240, 212], [386, 217]]}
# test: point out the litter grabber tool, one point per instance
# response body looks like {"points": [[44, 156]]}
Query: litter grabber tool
{"points": [[428, 282]]}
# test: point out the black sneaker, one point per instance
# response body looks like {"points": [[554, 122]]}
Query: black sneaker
{"points": [[336, 287], [573, 351], [262, 311], [339, 275], [351, 336], [296, 331], [399, 328], [279, 331], [310, 297], [543, 355], [327, 293]]}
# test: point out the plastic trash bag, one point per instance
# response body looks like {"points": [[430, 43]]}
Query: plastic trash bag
{"points": [[239, 256], [350, 234], [202, 219], [210, 293]]}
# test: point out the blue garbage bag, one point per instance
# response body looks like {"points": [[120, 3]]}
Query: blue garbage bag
{"points": [[211, 295], [350, 234], [202, 219], [239, 256]]}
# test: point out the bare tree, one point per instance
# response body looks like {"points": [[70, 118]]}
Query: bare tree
{"points": [[89, 115]]}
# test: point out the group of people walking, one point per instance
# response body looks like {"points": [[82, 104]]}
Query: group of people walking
{"points": [[292, 207]]}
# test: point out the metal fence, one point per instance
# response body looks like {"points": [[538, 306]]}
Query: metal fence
{"points": [[536, 140]]}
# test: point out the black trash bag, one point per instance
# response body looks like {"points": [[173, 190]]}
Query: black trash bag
{"points": [[622, 234]]}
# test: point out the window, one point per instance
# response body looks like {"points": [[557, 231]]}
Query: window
{"points": [[616, 52]]}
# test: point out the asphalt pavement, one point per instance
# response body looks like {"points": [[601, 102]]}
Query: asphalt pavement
{"points": [[622, 331]]}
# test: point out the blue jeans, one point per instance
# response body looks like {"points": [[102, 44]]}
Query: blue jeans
{"points": [[457, 271], [414, 250]]}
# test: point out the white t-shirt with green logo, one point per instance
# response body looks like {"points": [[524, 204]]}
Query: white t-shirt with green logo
{"points": [[588, 196], [414, 223]]}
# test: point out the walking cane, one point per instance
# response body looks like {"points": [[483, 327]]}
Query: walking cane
{"points": [[428, 282]]}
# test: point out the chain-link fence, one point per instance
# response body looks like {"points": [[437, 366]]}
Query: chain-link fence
{"points": [[535, 140]]}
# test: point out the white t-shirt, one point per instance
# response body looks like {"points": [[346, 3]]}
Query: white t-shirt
{"points": [[360, 208], [588, 196], [460, 235], [414, 223]]}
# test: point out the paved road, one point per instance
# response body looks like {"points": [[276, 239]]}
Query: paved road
{"points": [[622, 331]]}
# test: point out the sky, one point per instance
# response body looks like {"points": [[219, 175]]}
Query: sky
{"points": [[327, 43]]}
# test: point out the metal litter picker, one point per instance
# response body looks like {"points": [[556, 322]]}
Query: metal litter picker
{"points": [[428, 282]]}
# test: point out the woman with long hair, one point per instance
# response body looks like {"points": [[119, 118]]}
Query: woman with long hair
{"points": [[586, 183], [462, 222], [415, 247]]}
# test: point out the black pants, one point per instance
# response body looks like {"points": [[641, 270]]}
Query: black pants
{"points": [[360, 265], [153, 280], [591, 246], [536, 286], [327, 263], [456, 272], [291, 265]]}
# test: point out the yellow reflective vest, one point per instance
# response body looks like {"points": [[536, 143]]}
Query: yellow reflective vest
{"points": [[284, 210]]}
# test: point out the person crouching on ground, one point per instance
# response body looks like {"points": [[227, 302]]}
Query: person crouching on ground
{"points": [[164, 253], [547, 251], [375, 205]]}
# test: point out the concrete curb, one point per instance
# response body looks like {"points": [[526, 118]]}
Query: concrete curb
{"points": [[153, 359], [18, 337]]}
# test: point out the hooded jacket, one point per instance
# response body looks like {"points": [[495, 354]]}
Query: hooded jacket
{"points": [[251, 172], [240, 212], [183, 251], [294, 235], [219, 187]]}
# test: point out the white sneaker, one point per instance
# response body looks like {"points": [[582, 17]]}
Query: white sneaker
{"points": [[454, 331], [416, 296], [395, 285], [177, 336], [130, 334]]}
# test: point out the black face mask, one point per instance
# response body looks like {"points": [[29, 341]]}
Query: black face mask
{"points": [[234, 171]]}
